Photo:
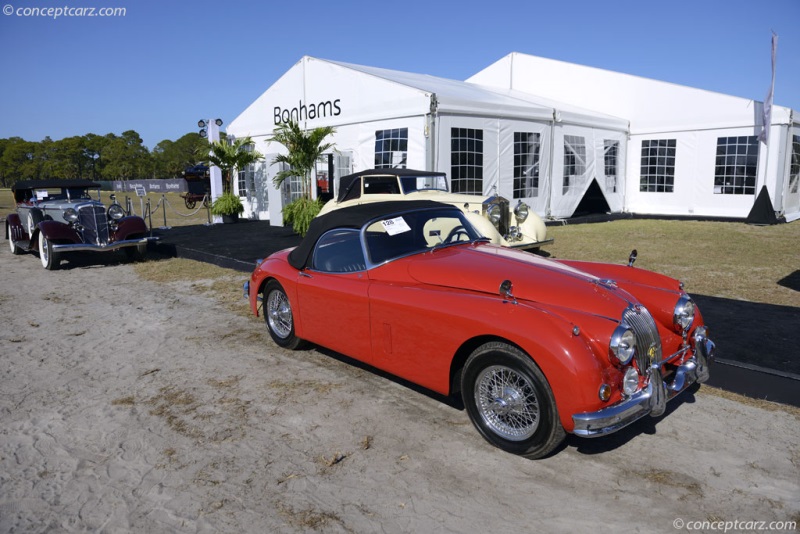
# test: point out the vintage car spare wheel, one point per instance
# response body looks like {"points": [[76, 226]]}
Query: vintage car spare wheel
{"points": [[35, 216]]}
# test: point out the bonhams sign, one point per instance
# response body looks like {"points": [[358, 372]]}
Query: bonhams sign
{"points": [[304, 112]]}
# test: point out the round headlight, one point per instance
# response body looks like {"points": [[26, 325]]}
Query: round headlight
{"points": [[494, 214], [683, 316], [630, 382], [115, 212], [70, 215], [623, 344], [521, 211]]}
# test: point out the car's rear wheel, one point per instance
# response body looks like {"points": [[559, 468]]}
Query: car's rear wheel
{"points": [[279, 317], [50, 258], [15, 249], [510, 402]]}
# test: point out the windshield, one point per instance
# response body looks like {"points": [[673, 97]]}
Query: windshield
{"points": [[423, 183], [64, 193], [418, 231]]}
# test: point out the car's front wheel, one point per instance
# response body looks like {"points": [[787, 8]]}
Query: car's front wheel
{"points": [[510, 402], [278, 316], [15, 249], [50, 258]]}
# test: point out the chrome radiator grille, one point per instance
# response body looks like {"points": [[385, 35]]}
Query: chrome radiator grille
{"points": [[505, 218], [648, 343], [95, 224]]}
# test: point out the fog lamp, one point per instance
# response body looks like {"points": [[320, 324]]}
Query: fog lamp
{"points": [[630, 382]]}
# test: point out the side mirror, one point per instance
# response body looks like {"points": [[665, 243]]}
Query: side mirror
{"points": [[632, 258]]}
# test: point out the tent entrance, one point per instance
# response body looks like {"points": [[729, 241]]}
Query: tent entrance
{"points": [[593, 202]]}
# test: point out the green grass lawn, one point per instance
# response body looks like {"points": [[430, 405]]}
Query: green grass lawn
{"points": [[731, 260]]}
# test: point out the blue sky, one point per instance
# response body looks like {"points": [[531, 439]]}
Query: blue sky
{"points": [[166, 64]]}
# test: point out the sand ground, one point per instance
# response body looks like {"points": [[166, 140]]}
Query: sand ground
{"points": [[133, 406]]}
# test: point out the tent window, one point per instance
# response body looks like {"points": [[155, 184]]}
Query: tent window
{"points": [[658, 166], [391, 148], [526, 164], [736, 165], [466, 160], [611, 158], [794, 171], [574, 160], [246, 174]]}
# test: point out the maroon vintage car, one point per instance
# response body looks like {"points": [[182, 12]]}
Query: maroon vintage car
{"points": [[55, 217]]}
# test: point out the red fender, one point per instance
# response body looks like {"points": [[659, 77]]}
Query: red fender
{"points": [[130, 226]]}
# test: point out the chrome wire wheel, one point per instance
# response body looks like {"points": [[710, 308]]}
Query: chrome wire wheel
{"points": [[279, 314], [509, 400], [506, 401]]}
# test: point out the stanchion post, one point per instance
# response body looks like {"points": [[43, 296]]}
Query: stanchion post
{"points": [[208, 209], [164, 205], [149, 214]]}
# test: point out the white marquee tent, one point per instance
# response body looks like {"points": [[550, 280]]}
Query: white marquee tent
{"points": [[565, 138], [483, 138], [691, 151]]}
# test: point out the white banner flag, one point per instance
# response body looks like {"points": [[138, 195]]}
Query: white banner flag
{"points": [[766, 116]]}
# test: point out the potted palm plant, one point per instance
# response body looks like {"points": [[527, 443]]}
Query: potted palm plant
{"points": [[228, 206], [304, 147]]}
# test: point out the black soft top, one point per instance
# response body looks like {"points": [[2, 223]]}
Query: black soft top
{"points": [[352, 217], [347, 182], [52, 184]]}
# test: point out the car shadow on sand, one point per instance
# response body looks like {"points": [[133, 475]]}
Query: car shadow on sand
{"points": [[598, 445], [85, 260], [646, 425]]}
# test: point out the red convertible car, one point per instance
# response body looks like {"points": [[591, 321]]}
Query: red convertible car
{"points": [[536, 348]]}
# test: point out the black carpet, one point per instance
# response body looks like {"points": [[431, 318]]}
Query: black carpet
{"points": [[757, 352]]}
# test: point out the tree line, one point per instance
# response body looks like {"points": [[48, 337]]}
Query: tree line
{"points": [[98, 157]]}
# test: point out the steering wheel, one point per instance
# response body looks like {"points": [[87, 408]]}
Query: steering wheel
{"points": [[459, 233]]}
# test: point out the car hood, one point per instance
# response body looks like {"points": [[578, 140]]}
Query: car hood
{"points": [[483, 267]]}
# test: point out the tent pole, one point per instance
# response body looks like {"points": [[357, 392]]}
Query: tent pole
{"points": [[550, 167]]}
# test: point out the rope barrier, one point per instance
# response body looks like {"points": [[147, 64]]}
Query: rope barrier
{"points": [[167, 202]]}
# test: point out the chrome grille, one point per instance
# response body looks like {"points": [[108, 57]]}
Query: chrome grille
{"points": [[95, 224], [505, 218], [648, 342]]}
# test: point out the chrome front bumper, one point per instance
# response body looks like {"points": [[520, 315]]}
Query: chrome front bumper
{"points": [[77, 247], [651, 400]]}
